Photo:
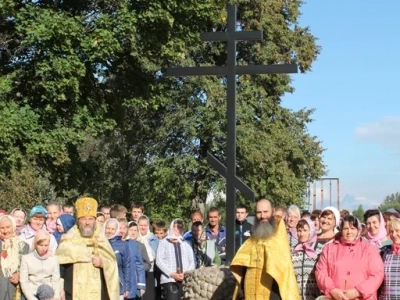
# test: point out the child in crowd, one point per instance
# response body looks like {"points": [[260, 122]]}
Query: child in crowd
{"points": [[101, 218], [68, 209], [53, 212], [40, 267], [64, 223], [123, 228], [133, 231], [118, 212], [45, 292], [137, 210], [105, 209], [160, 229]]}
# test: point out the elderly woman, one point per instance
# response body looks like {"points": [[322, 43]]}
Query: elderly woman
{"points": [[349, 268], [291, 219], [391, 260], [304, 258], [12, 250], [376, 234]]}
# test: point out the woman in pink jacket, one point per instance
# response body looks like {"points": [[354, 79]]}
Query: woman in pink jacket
{"points": [[349, 268]]}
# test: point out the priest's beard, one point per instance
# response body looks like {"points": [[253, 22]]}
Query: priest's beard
{"points": [[87, 231], [263, 230]]}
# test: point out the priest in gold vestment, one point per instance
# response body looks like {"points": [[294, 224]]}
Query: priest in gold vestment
{"points": [[87, 262], [264, 260]]}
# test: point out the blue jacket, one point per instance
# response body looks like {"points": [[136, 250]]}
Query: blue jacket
{"points": [[121, 250], [221, 239], [188, 236], [138, 276], [67, 222], [153, 242]]}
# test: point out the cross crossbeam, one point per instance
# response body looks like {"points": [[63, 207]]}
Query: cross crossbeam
{"points": [[222, 36], [231, 70], [240, 70]]}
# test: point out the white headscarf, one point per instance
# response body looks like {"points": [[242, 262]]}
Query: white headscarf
{"points": [[144, 239], [105, 225], [171, 231], [336, 213], [11, 250]]}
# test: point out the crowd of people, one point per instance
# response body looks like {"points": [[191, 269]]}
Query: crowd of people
{"points": [[90, 252], [85, 252], [337, 256]]}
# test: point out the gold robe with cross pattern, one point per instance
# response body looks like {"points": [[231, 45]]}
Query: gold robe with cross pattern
{"points": [[262, 262], [77, 250]]}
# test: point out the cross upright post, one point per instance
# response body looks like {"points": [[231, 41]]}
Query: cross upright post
{"points": [[231, 70], [231, 136]]}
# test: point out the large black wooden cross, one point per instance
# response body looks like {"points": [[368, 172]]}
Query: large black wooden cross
{"points": [[231, 70]]}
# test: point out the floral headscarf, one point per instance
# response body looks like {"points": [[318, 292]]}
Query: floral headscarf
{"points": [[11, 250], [307, 245]]}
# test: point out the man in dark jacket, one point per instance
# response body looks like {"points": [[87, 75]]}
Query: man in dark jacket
{"points": [[243, 228]]}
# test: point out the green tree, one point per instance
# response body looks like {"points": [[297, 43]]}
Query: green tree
{"points": [[86, 80], [359, 213], [390, 201], [276, 155], [26, 187]]}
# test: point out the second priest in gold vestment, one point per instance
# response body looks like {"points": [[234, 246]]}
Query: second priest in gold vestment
{"points": [[264, 261]]}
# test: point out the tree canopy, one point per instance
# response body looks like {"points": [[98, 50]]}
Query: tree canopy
{"points": [[390, 201], [83, 93]]}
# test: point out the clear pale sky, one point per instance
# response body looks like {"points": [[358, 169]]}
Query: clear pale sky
{"points": [[354, 87]]}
